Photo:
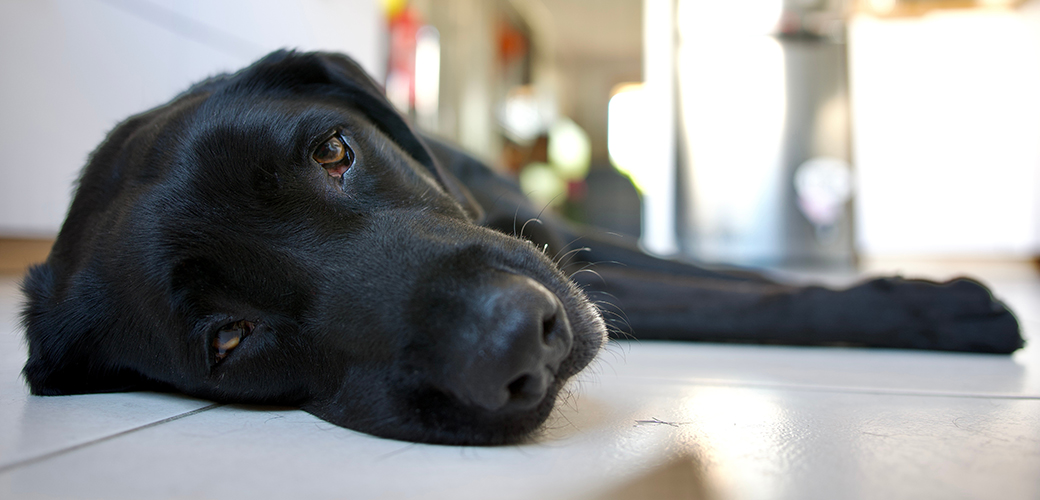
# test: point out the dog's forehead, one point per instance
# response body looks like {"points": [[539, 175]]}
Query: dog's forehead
{"points": [[282, 123], [240, 140], [244, 154]]}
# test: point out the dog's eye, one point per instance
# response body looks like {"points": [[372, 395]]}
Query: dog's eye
{"points": [[229, 337], [334, 156]]}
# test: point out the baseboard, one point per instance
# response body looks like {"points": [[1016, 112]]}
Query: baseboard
{"points": [[17, 254], [989, 266]]}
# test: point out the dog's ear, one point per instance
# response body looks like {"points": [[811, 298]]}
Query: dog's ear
{"points": [[65, 340], [371, 99]]}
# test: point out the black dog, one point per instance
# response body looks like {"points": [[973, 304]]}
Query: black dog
{"points": [[280, 235]]}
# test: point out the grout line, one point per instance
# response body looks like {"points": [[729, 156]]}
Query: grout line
{"points": [[837, 389], [52, 454]]}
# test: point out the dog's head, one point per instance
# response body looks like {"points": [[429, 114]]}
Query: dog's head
{"points": [[280, 235]]}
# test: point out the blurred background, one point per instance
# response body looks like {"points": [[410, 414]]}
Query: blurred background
{"points": [[770, 133]]}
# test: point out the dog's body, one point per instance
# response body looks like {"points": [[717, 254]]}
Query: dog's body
{"points": [[281, 235]]}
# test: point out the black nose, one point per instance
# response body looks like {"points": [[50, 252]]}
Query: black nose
{"points": [[507, 346]]}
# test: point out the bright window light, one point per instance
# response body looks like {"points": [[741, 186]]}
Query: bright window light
{"points": [[627, 134], [427, 75]]}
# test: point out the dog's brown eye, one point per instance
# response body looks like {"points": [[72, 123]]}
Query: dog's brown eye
{"points": [[229, 337], [335, 156], [331, 151]]}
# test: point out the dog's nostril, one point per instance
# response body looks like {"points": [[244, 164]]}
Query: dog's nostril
{"points": [[516, 387], [547, 327], [526, 391]]}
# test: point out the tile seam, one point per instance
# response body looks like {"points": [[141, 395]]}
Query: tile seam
{"points": [[62, 451]]}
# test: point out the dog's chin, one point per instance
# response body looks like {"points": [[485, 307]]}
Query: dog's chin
{"points": [[430, 416], [443, 420]]}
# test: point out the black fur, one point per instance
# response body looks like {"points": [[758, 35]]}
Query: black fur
{"points": [[368, 296]]}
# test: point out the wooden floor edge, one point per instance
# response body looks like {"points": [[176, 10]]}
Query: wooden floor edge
{"points": [[17, 254]]}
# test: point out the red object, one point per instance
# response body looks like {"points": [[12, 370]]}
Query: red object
{"points": [[512, 44], [576, 190], [401, 65]]}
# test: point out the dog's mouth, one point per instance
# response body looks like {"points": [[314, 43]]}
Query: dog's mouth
{"points": [[444, 419]]}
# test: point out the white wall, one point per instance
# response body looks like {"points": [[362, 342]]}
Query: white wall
{"points": [[70, 70], [946, 130]]}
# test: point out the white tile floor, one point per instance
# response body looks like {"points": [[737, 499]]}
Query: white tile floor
{"points": [[649, 420]]}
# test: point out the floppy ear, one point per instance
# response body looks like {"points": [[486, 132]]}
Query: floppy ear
{"points": [[64, 338], [371, 99]]}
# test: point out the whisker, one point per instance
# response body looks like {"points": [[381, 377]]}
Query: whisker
{"points": [[565, 247], [601, 262], [540, 212], [611, 318], [608, 294], [573, 252], [515, 214], [586, 270], [535, 219]]}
